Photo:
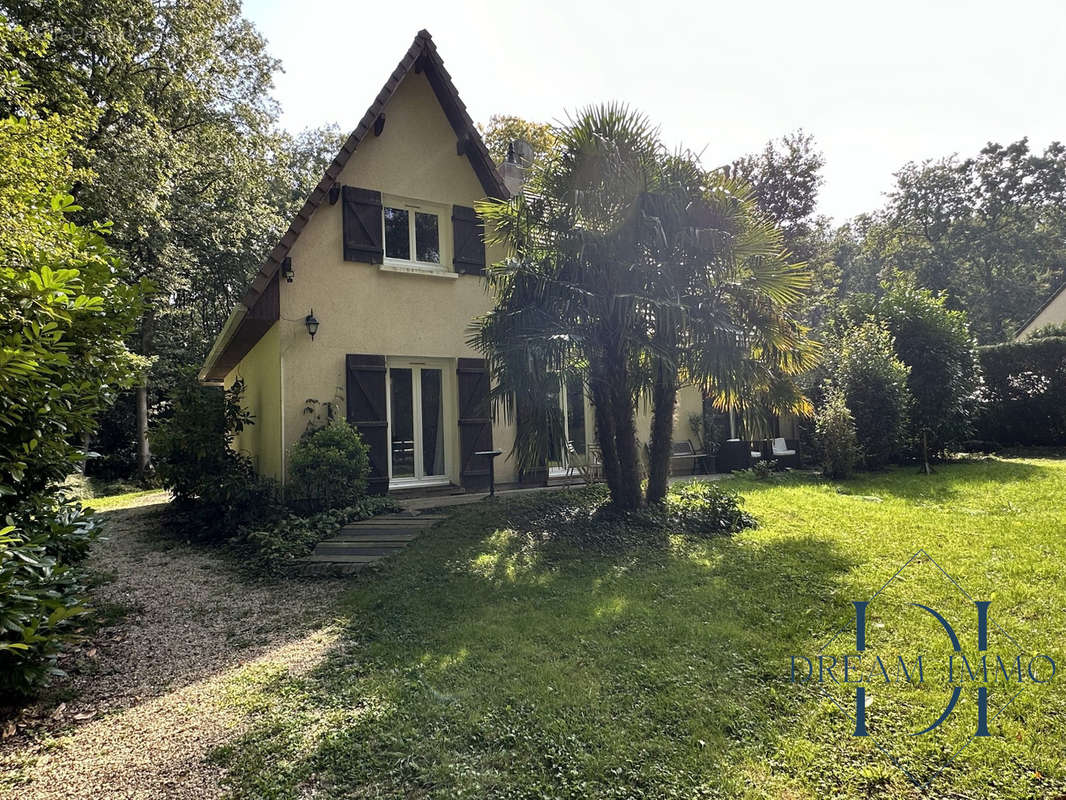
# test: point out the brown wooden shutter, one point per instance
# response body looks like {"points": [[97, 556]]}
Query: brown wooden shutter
{"points": [[368, 412], [361, 220], [475, 423], [468, 233]]}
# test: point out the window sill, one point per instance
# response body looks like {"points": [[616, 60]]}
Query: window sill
{"points": [[416, 270]]}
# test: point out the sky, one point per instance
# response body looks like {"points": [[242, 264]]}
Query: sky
{"points": [[877, 84]]}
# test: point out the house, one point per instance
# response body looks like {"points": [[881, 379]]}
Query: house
{"points": [[1053, 312], [386, 258]]}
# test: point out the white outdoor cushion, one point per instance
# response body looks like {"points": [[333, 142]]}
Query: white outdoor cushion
{"points": [[781, 449]]}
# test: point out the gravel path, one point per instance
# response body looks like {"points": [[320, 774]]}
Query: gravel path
{"points": [[147, 696]]}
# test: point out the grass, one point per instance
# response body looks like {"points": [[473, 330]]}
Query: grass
{"points": [[489, 662], [145, 497]]}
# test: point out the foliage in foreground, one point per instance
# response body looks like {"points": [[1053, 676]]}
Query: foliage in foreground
{"points": [[41, 591], [65, 311]]}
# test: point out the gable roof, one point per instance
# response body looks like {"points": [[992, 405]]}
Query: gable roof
{"points": [[232, 343], [1040, 310]]}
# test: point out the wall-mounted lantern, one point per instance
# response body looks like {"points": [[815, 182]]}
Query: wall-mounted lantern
{"points": [[312, 324], [286, 270]]}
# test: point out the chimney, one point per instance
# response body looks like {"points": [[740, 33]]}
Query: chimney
{"points": [[513, 168]]}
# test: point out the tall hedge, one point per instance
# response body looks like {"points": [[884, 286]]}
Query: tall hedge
{"points": [[1023, 399]]}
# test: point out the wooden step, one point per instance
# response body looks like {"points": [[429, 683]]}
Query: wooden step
{"points": [[339, 559], [356, 551], [349, 536], [361, 543]]}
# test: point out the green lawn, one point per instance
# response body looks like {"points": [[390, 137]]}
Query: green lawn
{"points": [[114, 502], [484, 663]]}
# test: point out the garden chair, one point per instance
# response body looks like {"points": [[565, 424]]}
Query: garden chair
{"points": [[781, 453], [585, 464], [682, 452]]}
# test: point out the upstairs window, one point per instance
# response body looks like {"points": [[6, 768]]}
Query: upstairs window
{"points": [[412, 233]]}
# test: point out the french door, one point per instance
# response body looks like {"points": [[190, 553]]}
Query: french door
{"points": [[570, 400], [416, 423]]}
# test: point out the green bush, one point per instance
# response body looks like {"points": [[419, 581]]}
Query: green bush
{"points": [[584, 518], [214, 486], [294, 537], [1022, 401], [874, 383], [329, 466], [67, 306], [935, 344], [40, 591], [835, 436], [703, 509]]}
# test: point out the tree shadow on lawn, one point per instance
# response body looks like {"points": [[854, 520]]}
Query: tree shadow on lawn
{"points": [[493, 661]]}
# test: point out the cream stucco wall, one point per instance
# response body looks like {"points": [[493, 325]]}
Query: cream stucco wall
{"points": [[689, 401], [1053, 314], [365, 308], [260, 370]]}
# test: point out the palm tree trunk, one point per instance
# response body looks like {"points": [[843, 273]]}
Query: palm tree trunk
{"points": [[605, 432], [627, 496], [664, 402]]}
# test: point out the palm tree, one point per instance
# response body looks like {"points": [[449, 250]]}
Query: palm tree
{"points": [[726, 296], [636, 270]]}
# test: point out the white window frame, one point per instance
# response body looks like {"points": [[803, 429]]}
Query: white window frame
{"points": [[415, 207], [449, 395]]}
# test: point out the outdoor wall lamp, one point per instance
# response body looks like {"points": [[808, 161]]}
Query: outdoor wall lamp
{"points": [[312, 324], [286, 270]]}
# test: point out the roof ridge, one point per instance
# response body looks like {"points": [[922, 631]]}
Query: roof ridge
{"points": [[477, 153], [471, 144]]}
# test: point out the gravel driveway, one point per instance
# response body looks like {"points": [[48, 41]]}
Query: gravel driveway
{"points": [[145, 701]]}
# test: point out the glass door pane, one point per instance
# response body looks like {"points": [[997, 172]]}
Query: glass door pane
{"points": [[556, 456], [402, 424], [432, 423], [575, 414]]}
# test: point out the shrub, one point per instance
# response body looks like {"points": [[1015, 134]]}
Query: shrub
{"points": [[835, 436], [215, 486], [704, 509], [294, 537], [329, 466], [40, 591], [1021, 400], [584, 518], [66, 308], [874, 383], [935, 344]]}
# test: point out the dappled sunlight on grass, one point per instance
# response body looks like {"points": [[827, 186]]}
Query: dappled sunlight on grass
{"points": [[486, 661], [611, 607], [507, 556]]}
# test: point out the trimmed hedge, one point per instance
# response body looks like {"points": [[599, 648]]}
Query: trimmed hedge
{"points": [[1023, 400]]}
